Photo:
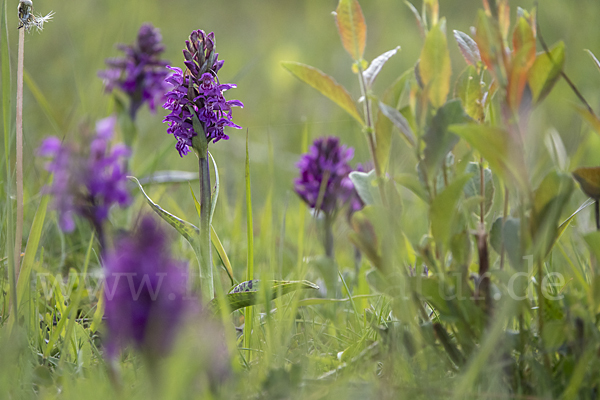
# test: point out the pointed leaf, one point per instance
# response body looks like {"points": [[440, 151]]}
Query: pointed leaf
{"points": [[545, 71], [246, 293], [589, 180], [434, 67], [376, 65], [489, 42], [468, 89], [511, 236], [563, 227], [494, 144], [364, 183], [438, 140], [467, 47], [399, 122], [189, 231], [415, 12], [326, 85], [443, 208], [352, 28], [593, 58]]}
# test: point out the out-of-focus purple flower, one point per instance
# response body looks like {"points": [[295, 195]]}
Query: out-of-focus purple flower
{"points": [[324, 181], [144, 292], [141, 73], [87, 184], [197, 93]]}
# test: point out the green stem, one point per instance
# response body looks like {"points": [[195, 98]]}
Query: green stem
{"points": [[370, 129], [206, 273]]}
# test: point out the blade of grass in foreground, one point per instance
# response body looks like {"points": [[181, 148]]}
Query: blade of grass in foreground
{"points": [[30, 251], [6, 107], [250, 263]]}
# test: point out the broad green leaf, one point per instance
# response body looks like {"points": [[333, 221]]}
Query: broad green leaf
{"points": [[376, 65], [468, 89], [494, 144], [33, 241], [326, 85], [160, 177], [214, 238], [443, 208], [545, 71], [590, 117], [399, 122], [352, 28], [364, 183], [589, 180], [473, 187], [511, 236], [246, 293], [412, 183], [434, 66], [549, 200], [438, 140], [467, 47]]}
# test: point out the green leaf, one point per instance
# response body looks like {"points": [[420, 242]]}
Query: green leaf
{"points": [[412, 183], [33, 241], [352, 28], [160, 177], [468, 89], [189, 231], [443, 208], [511, 236], [434, 66], [439, 141], [545, 71], [383, 125], [468, 48], [565, 224], [473, 187], [589, 180], [593, 58], [399, 122], [364, 183], [326, 85], [494, 144], [376, 65], [490, 45], [549, 200], [246, 293]]}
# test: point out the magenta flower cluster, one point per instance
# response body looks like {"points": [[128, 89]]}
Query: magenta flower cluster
{"points": [[324, 183], [197, 95], [87, 183], [144, 291], [141, 73]]}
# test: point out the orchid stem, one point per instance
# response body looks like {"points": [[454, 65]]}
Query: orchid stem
{"points": [[206, 273]]}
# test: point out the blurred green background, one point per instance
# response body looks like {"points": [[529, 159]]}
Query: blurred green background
{"points": [[253, 37]]}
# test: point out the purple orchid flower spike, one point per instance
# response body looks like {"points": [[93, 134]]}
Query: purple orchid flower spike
{"points": [[197, 95], [141, 73], [87, 184]]}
